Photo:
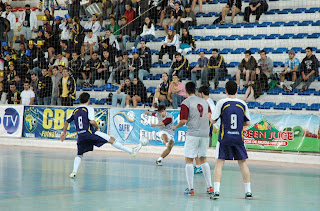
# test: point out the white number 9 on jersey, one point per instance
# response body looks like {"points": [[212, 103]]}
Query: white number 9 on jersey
{"points": [[234, 121]]}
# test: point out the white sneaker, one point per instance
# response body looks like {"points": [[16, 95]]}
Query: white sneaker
{"points": [[73, 175], [135, 150]]}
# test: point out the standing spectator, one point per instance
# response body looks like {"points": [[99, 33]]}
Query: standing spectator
{"points": [[4, 29], [200, 68], [44, 88], [148, 32], [93, 25], [91, 68], [56, 31], [258, 6], [3, 94], [12, 19], [125, 32], [74, 8], [90, 43], [34, 86], [291, 68], [200, 5], [179, 67], [130, 15], [77, 35], [66, 27], [27, 95], [49, 45], [103, 70], [309, 71], [76, 65], [126, 88], [19, 83], [13, 96], [188, 17], [56, 78], [161, 93], [235, 6], [46, 24], [247, 65], [49, 4], [120, 8], [170, 45], [146, 55], [265, 65], [48, 15], [28, 21], [141, 8], [176, 15], [139, 93], [111, 39], [113, 26], [136, 66], [67, 88], [187, 43], [177, 92]]}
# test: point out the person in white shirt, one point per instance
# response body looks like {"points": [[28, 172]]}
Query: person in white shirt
{"points": [[112, 39], [148, 32], [60, 59], [12, 19], [29, 23], [66, 27], [170, 45], [94, 25], [27, 95], [90, 43]]}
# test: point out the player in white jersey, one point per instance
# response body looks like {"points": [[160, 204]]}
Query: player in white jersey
{"points": [[193, 111], [234, 114], [165, 133]]}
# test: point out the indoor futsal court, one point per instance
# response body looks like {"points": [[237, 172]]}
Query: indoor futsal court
{"points": [[37, 179]]}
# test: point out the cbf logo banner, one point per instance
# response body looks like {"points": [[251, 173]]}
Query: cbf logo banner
{"points": [[48, 122], [128, 125], [11, 120]]}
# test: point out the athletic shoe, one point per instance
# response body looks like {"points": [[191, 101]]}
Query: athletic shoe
{"points": [[215, 196], [197, 170], [248, 195], [210, 190], [189, 192], [159, 163], [73, 175], [155, 105], [135, 150], [287, 89]]}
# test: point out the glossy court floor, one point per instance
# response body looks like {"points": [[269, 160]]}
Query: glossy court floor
{"points": [[37, 179]]}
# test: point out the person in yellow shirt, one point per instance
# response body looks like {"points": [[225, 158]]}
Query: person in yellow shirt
{"points": [[67, 88]]}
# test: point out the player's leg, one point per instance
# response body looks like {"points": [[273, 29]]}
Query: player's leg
{"points": [[197, 168], [203, 148], [190, 152], [169, 144], [76, 164], [217, 178], [246, 177]]}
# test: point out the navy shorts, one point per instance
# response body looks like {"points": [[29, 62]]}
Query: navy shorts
{"points": [[86, 141], [227, 152]]}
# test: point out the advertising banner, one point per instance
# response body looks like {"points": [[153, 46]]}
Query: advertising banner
{"points": [[11, 120], [281, 132], [47, 122], [128, 125]]}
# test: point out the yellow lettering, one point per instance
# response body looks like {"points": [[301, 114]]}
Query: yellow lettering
{"points": [[69, 112], [58, 119], [47, 124]]}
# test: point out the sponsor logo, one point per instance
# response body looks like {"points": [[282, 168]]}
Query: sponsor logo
{"points": [[31, 118], [101, 117], [11, 120], [123, 122]]}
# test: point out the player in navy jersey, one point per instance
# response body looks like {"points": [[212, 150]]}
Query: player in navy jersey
{"points": [[234, 114], [88, 132]]}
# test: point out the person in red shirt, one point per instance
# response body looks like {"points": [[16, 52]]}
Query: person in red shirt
{"points": [[130, 15]]}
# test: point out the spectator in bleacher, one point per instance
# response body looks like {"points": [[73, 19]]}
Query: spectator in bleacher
{"points": [[177, 92], [258, 6], [93, 25], [32, 49], [3, 94], [125, 32], [48, 15], [34, 86], [148, 32], [235, 6], [112, 51], [65, 49], [77, 35], [67, 88], [188, 17], [56, 77], [11, 72], [44, 88], [137, 66], [167, 6], [48, 4], [130, 15], [74, 8], [19, 82], [291, 68], [111, 39], [91, 69], [40, 36], [60, 59], [12, 19], [115, 74], [21, 52], [187, 43], [45, 24], [176, 15], [3, 4], [90, 44], [216, 68], [179, 67], [13, 96], [256, 89], [113, 26], [247, 65], [49, 44], [265, 65], [309, 71], [146, 55], [29, 23], [124, 90], [141, 8], [200, 5], [66, 27], [120, 8], [76, 65], [161, 92], [139, 93], [170, 45], [103, 71], [27, 95], [56, 31], [200, 67], [5, 47]]}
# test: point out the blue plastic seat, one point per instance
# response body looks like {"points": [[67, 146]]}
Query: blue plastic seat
{"points": [[291, 23], [251, 25], [224, 26], [282, 106], [193, 64], [196, 38], [154, 51], [93, 100], [267, 105], [298, 10], [246, 37], [285, 11], [77, 101], [313, 10], [233, 37], [272, 36], [286, 36], [280, 50], [272, 12], [305, 23], [254, 50], [313, 107], [300, 36], [211, 27], [87, 89], [220, 37], [258, 37], [168, 64], [101, 102], [237, 26], [278, 64], [299, 106], [317, 23], [233, 64], [313, 36], [151, 89], [99, 89], [277, 24], [268, 50], [297, 49], [252, 105], [226, 51], [238, 51], [275, 91], [264, 24]]}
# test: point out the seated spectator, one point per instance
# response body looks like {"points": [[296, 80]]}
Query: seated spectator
{"points": [[309, 71], [66, 27], [170, 45], [137, 67], [60, 59], [216, 68], [21, 52], [235, 6], [76, 66], [113, 26], [115, 74], [291, 68], [200, 5], [47, 4], [67, 88], [146, 56], [40, 57], [148, 32], [177, 92], [161, 93], [141, 12], [93, 25], [47, 12], [111, 39], [103, 71], [188, 17], [44, 88], [265, 64], [126, 90], [258, 6], [91, 69], [255, 90], [3, 95], [176, 15], [19, 83], [56, 78], [125, 33], [27, 95], [247, 65], [32, 49], [5, 47], [120, 8], [90, 43], [167, 7], [139, 93], [179, 67], [40, 36], [12, 73], [45, 24], [49, 45], [200, 68], [187, 43], [130, 15], [112, 51], [13, 96]]}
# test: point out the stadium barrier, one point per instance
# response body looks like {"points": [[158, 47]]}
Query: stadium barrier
{"points": [[267, 132]]}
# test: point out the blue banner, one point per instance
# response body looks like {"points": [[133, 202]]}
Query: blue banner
{"points": [[128, 125], [47, 122]]}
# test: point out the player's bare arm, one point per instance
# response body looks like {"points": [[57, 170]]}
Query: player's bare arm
{"points": [[247, 123], [157, 125], [180, 124], [63, 134], [208, 115]]}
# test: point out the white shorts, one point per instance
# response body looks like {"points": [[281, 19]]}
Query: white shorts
{"points": [[196, 146], [95, 48], [160, 133]]}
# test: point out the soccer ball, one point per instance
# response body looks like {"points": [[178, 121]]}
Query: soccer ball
{"points": [[33, 122], [144, 141], [101, 124]]}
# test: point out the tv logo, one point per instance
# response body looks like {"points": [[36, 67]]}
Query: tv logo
{"points": [[11, 120]]}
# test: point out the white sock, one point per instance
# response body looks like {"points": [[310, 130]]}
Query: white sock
{"points": [[160, 159], [76, 164], [156, 100], [207, 174], [216, 186], [127, 106], [281, 84], [198, 166], [118, 145], [189, 174], [247, 187]]}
